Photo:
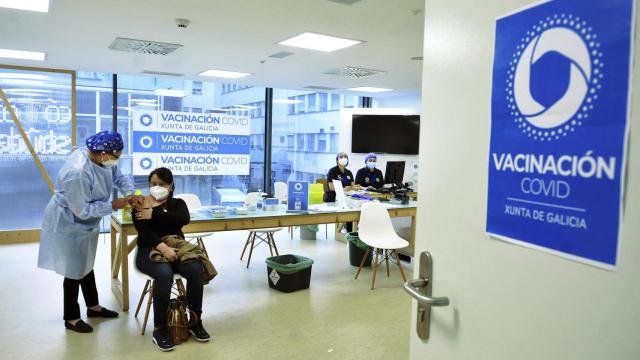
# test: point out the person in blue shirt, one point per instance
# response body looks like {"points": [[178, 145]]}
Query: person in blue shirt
{"points": [[369, 176], [344, 175], [71, 223]]}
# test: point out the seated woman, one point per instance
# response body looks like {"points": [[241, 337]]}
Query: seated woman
{"points": [[157, 216]]}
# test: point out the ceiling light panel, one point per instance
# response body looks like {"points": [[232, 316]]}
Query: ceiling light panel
{"points": [[224, 74], [319, 42], [22, 55], [29, 5]]}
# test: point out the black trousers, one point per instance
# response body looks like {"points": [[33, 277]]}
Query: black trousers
{"points": [[72, 287], [162, 273]]}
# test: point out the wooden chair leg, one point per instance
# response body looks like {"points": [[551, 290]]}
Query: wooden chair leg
{"points": [[273, 242], [246, 243], [253, 239], [399, 266], [269, 243], [375, 268], [386, 258], [362, 262], [146, 313], [144, 292]]}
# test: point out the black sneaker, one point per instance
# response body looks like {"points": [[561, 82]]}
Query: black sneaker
{"points": [[161, 339], [80, 326], [199, 332], [104, 313]]}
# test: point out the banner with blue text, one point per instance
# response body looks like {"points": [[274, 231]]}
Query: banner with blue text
{"points": [[559, 124], [191, 144]]}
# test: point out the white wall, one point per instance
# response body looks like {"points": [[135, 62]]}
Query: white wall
{"points": [[356, 160], [410, 101], [517, 303]]}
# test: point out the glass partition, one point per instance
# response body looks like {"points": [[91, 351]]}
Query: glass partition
{"points": [[42, 102], [306, 133]]}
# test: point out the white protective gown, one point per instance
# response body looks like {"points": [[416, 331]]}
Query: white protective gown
{"points": [[71, 223]]}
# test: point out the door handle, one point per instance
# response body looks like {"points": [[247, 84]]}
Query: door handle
{"points": [[420, 289], [413, 288]]}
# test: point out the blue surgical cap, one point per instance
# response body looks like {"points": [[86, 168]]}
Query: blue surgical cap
{"points": [[105, 141], [370, 156]]}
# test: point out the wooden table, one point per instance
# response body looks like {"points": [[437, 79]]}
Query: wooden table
{"points": [[200, 222]]}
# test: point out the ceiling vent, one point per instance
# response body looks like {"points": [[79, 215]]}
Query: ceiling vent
{"points": [[315, 87], [143, 46], [281, 54], [161, 73], [354, 72]]}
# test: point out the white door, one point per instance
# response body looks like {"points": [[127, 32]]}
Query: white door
{"points": [[506, 301]]}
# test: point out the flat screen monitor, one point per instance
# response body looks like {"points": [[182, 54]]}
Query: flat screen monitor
{"points": [[394, 172], [387, 134]]}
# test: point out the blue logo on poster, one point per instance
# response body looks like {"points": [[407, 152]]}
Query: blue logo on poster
{"points": [[558, 127], [146, 163], [554, 77], [146, 119], [146, 142]]}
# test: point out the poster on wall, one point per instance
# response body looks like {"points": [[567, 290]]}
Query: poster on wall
{"points": [[559, 126], [191, 144]]}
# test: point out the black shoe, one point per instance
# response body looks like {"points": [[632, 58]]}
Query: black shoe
{"points": [[199, 332], [104, 313], [80, 326], [161, 339]]}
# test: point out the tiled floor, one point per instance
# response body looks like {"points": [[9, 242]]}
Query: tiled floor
{"points": [[337, 318]]}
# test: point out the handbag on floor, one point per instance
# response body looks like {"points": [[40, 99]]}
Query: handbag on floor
{"points": [[177, 320]]}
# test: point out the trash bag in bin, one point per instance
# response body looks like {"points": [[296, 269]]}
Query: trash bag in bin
{"points": [[357, 249], [289, 272]]}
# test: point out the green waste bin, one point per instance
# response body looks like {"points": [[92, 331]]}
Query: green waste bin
{"points": [[357, 249], [289, 272]]}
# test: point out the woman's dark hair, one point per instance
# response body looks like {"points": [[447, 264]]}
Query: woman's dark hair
{"points": [[165, 175]]}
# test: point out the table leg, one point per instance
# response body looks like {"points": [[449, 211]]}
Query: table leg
{"points": [[124, 263], [121, 288], [113, 245]]}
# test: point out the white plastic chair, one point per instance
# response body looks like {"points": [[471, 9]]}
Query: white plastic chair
{"points": [[376, 230], [193, 203], [263, 235], [149, 287]]}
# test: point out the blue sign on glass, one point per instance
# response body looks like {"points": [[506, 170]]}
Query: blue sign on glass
{"points": [[559, 126], [298, 197]]}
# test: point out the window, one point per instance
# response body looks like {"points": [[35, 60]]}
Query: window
{"points": [[311, 142], [323, 102], [43, 109], [335, 102], [311, 103], [322, 141], [310, 147], [136, 88], [196, 88]]}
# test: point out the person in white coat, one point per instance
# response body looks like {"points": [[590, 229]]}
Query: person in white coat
{"points": [[71, 223]]}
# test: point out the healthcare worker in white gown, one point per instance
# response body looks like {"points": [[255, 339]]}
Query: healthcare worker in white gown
{"points": [[71, 223]]}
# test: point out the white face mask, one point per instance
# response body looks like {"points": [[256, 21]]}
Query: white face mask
{"points": [[343, 161], [159, 192], [371, 165], [110, 163]]}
